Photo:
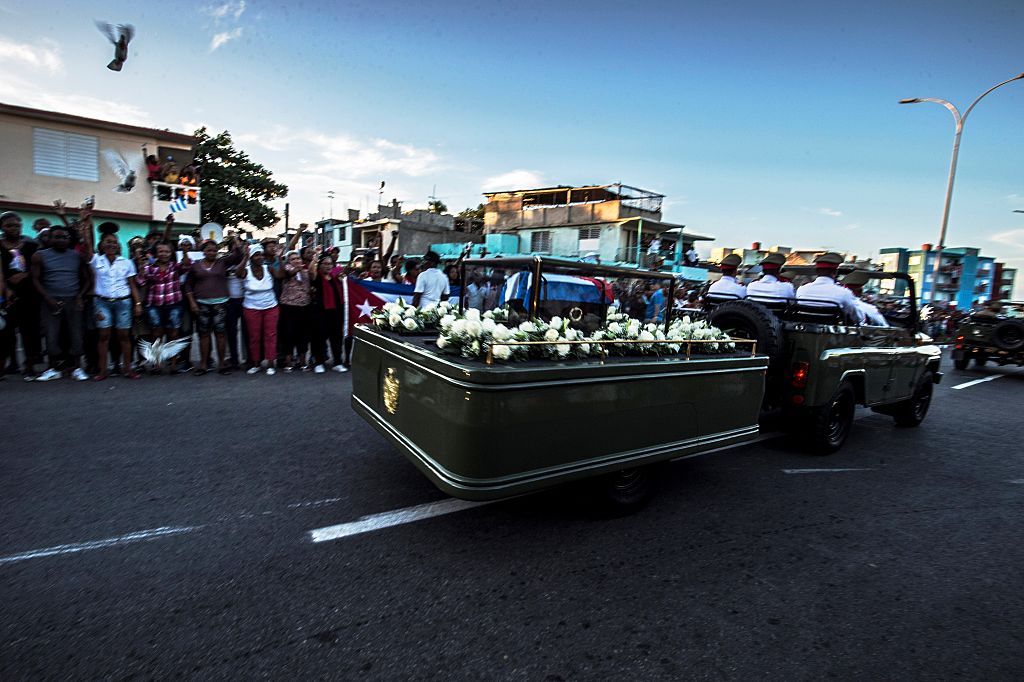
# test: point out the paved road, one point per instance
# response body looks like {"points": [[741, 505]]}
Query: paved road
{"points": [[161, 528]]}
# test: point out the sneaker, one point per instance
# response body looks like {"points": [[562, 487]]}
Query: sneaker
{"points": [[319, 369], [49, 375], [289, 369], [253, 370], [79, 374], [271, 371], [340, 368]]}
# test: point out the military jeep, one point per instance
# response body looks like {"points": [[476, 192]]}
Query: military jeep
{"points": [[994, 334], [822, 364]]}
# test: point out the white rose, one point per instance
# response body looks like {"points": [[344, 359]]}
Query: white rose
{"points": [[646, 336], [585, 348], [459, 327], [410, 312], [475, 347], [410, 324], [563, 349], [429, 307], [571, 334], [501, 332], [528, 327], [474, 328], [686, 319], [556, 322], [650, 326], [551, 335], [502, 352], [446, 322], [473, 314], [489, 315], [613, 310], [442, 342], [488, 325], [394, 320], [615, 328]]}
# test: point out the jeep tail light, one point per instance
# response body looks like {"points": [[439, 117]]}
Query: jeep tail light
{"points": [[959, 342], [800, 370]]}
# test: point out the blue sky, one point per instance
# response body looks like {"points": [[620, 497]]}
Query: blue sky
{"points": [[773, 122]]}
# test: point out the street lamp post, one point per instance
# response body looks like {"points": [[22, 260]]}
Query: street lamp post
{"points": [[952, 167]]}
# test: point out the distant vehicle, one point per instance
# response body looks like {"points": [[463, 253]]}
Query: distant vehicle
{"points": [[991, 335]]}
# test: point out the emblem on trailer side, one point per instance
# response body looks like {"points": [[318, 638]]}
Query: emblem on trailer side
{"points": [[390, 390]]}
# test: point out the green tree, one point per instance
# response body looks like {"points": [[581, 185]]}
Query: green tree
{"points": [[436, 206], [235, 188], [473, 213]]}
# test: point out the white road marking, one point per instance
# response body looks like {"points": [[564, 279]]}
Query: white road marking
{"points": [[977, 381], [820, 471], [315, 503], [1019, 481], [398, 517], [137, 536]]}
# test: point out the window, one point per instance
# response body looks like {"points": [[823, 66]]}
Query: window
{"points": [[914, 260], [540, 241], [590, 239], [65, 155]]}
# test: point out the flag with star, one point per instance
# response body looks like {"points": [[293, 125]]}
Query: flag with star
{"points": [[364, 295]]}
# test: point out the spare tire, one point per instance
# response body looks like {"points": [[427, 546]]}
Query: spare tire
{"points": [[750, 320], [1008, 335]]}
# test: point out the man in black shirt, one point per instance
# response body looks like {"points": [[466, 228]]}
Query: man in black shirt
{"points": [[22, 299]]}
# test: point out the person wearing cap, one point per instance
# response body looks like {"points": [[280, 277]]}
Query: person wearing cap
{"points": [[855, 282], [824, 288], [769, 286], [727, 284]]}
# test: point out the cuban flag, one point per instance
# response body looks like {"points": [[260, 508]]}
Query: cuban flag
{"points": [[557, 288], [364, 295], [178, 205]]}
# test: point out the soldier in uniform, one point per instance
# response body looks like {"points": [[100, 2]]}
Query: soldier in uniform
{"points": [[855, 282], [769, 286], [824, 287], [727, 284]]}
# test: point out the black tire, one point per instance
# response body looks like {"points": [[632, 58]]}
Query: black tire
{"points": [[980, 360], [832, 422], [624, 492], [912, 412], [962, 362], [750, 320], [1008, 335]]}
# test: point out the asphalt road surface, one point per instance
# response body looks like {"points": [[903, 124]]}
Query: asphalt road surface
{"points": [[162, 528]]}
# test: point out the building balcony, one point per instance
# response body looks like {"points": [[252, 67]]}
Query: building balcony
{"points": [[165, 194]]}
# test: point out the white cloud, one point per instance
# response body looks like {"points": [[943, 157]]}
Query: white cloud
{"points": [[45, 56], [830, 212], [514, 179], [16, 90], [1012, 238], [223, 37], [233, 9]]}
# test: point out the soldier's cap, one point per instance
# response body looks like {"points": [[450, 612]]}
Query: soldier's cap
{"points": [[828, 259], [731, 261], [857, 278], [773, 260]]}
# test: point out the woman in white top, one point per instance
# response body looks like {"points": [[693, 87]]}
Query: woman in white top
{"points": [[259, 309]]}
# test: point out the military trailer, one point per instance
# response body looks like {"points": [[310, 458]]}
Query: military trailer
{"points": [[995, 334]]}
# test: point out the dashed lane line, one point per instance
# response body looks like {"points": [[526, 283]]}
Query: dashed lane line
{"points": [[976, 382], [368, 524], [128, 538], [822, 471]]}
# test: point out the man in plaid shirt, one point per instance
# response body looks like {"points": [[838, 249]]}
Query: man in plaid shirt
{"points": [[163, 298]]}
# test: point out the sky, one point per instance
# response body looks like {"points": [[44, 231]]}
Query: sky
{"points": [[773, 122]]}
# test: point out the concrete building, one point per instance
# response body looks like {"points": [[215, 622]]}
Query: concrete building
{"points": [[614, 223], [49, 156], [966, 278], [1003, 279], [794, 256]]}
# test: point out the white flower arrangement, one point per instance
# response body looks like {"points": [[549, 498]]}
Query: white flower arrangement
{"points": [[400, 316]]}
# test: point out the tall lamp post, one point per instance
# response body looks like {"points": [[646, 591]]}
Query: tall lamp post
{"points": [[952, 166]]}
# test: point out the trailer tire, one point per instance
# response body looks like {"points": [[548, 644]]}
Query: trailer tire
{"points": [[832, 422], [1008, 335], [962, 361], [624, 492], [750, 320]]}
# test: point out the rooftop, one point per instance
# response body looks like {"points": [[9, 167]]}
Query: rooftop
{"points": [[70, 119]]}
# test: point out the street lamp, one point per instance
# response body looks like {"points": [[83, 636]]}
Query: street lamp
{"points": [[952, 166]]}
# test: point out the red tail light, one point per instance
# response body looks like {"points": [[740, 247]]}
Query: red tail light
{"points": [[800, 370]]}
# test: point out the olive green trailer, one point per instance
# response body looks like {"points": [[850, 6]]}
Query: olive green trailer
{"points": [[483, 431]]}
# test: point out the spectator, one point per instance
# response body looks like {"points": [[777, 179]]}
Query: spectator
{"points": [[154, 170], [452, 273], [207, 292], [476, 292], [234, 321], [328, 311], [116, 299], [431, 285], [164, 297], [171, 174], [656, 304], [62, 276], [260, 310], [375, 271], [22, 298], [190, 178], [295, 312], [412, 268]]}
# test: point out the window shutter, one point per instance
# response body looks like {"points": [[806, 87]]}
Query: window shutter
{"points": [[540, 242], [83, 157], [49, 152]]}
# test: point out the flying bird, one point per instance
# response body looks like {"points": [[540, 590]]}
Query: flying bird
{"points": [[155, 354], [122, 169], [120, 35]]}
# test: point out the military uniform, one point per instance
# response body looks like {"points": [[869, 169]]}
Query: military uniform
{"points": [[727, 284], [769, 286], [825, 289], [869, 313]]}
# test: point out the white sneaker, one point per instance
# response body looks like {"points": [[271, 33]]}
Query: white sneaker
{"points": [[49, 375], [319, 369], [253, 370], [271, 371], [79, 374], [340, 368]]}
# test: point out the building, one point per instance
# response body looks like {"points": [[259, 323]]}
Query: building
{"points": [[613, 223], [1003, 280], [965, 279], [49, 156], [755, 254]]}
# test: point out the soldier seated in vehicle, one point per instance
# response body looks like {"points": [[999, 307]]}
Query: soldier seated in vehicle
{"points": [[824, 290], [991, 311], [855, 282], [769, 286], [727, 287]]}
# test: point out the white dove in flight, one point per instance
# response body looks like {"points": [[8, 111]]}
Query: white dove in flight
{"points": [[155, 354], [124, 172], [120, 35]]}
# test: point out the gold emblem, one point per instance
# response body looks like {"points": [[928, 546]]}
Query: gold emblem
{"points": [[390, 390]]}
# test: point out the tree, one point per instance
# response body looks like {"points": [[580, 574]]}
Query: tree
{"points": [[235, 188], [436, 206], [473, 213]]}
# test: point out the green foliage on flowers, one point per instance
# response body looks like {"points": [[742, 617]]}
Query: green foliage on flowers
{"points": [[399, 316], [472, 333]]}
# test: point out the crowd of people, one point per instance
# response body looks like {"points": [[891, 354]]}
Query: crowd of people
{"points": [[80, 308]]}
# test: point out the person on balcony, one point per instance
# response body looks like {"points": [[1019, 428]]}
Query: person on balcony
{"points": [[190, 178], [154, 169]]}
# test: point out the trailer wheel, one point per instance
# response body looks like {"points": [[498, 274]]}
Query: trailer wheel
{"points": [[912, 412], [980, 359], [831, 423], [962, 361], [624, 492]]}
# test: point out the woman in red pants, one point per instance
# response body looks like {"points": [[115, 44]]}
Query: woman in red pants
{"points": [[259, 308]]}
